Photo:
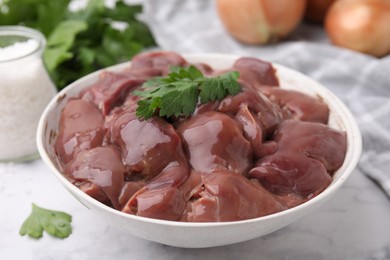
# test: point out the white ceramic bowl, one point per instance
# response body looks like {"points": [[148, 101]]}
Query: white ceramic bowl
{"points": [[198, 235]]}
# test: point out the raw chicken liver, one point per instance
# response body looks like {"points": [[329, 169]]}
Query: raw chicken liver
{"points": [[256, 153]]}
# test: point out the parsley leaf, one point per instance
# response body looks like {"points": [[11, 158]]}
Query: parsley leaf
{"points": [[60, 42], [56, 223], [178, 93], [172, 103], [219, 87]]}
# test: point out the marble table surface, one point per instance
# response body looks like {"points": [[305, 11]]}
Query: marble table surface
{"points": [[354, 224]]}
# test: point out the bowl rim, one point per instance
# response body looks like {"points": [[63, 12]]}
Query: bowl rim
{"points": [[325, 194]]}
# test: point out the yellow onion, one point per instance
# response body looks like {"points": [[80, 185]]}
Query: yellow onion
{"points": [[260, 21], [360, 25]]}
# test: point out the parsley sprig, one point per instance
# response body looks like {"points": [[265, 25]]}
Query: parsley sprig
{"points": [[178, 93], [56, 223]]}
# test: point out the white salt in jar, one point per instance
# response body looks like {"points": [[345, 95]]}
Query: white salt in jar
{"points": [[25, 90]]}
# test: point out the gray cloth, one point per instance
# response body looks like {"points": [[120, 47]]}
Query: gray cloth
{"points": [[361, 81]]}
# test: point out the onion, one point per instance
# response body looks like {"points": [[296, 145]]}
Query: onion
{"points": [[260, 21], [316, 10], [361, 25]]}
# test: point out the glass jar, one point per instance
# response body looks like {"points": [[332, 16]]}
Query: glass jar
{"points": [[25, 90]]}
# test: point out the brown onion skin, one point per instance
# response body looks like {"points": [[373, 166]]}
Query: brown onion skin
{"points": [[360, 25], [260, 21], [316, 10]]}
